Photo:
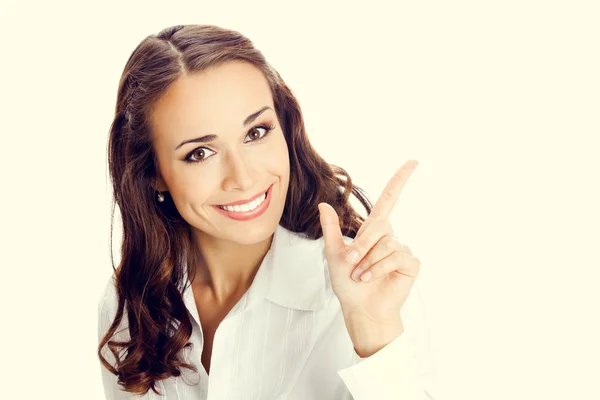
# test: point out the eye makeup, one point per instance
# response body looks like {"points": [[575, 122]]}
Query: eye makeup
{"points": [[268, 127]]}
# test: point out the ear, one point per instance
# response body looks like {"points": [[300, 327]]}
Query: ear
{"points": [[159, 184]]}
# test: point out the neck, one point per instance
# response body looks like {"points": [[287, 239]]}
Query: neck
{"points": [[227, 268]]}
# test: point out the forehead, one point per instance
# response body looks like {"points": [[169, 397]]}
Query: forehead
{"points": [[210, 102]]}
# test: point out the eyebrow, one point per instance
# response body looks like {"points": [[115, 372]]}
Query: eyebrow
{"points": [[210, 138]]}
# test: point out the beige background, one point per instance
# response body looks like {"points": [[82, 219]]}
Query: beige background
{"points": [[497, 100]]}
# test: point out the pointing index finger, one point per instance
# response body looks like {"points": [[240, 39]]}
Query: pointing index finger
{"points": [[386, 202]]}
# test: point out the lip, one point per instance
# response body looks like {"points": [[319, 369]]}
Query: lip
{"points": [[239, 202], [247, 215]]}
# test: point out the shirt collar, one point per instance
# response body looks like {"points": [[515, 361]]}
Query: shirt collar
{"points": [[297, 270], [293, 274]]}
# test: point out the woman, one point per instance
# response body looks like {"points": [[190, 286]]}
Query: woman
{"points": [[233, 281]]}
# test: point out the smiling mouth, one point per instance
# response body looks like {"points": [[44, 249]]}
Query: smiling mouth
{"points": [[245, 206]]}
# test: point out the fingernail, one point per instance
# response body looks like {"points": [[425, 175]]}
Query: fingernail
{"points": [[366, 276], [352, 256], [356, 274]]}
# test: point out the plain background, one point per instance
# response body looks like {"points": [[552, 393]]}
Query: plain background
{"points": [[497, 100]]}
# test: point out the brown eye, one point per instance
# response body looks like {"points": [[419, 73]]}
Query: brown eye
{"points": [[255, 133], [198, 155]]}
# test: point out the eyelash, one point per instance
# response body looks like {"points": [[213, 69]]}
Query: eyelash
{"points": [[266, 127]]}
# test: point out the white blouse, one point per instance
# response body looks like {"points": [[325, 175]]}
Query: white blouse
{"points": [[286, 339]]}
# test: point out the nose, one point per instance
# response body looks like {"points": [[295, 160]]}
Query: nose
{"points": [[238, 175]]}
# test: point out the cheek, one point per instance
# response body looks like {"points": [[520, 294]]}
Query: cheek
{"points": [[279, 157], [192, 185]]}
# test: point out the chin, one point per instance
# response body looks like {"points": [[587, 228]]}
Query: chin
{"points": [[252, 234]]}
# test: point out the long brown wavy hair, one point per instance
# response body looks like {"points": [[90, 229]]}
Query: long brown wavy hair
{"points": [[156, 242]]}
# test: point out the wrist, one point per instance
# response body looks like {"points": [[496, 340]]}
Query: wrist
{"points": [[368, 337]]}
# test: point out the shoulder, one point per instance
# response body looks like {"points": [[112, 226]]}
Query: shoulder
{"points": [[108, 296], [107, 306]]}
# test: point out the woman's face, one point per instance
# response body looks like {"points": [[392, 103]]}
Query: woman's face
{"points": [[218, 141]]}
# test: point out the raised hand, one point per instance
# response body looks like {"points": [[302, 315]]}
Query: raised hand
{"points": [[373, 275]]}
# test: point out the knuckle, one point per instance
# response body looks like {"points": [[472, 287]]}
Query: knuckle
{"points": [[376, 270], [417, 266], [377, 234], [366, 263], [390, 244], [388, 225], [401, 247], [388, 195], [359, 246], [398, 257]]}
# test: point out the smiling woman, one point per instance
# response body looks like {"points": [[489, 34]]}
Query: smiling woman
{"points": [[224, 267]]}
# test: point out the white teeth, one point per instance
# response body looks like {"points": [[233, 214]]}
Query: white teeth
{"points": [[246, 207]]}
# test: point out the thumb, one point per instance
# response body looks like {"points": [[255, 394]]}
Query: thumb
{"points": [[332, 234]]}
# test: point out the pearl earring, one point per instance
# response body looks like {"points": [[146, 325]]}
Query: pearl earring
{"points": [[161, 198]]}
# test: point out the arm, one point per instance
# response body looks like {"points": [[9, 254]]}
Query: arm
{"points": [[405, 368]]}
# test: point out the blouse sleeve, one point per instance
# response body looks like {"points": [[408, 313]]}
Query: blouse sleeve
{"points": [[405, 368]]}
